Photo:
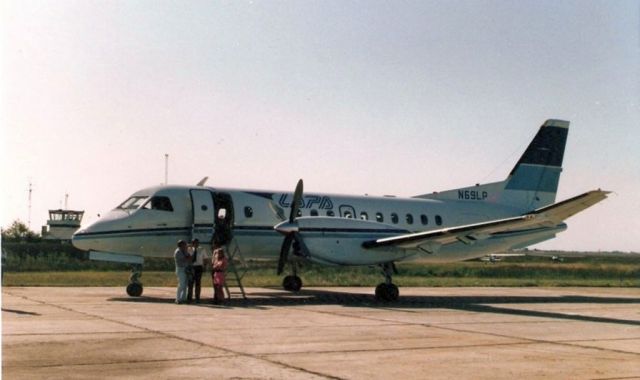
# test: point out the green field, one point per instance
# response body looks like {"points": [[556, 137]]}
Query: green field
{"points": [[47, 263], [410, 274]]}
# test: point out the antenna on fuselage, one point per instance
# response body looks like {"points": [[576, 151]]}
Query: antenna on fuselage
{"points": [[202, 181]]}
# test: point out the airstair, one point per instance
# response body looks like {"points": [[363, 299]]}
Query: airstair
{"points": [[236, 269]]}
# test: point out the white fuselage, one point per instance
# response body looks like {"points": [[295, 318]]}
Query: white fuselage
{"points": [[156, 218]]}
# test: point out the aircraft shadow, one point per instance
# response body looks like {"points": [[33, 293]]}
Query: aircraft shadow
{"points": [[480, 304], [20, 312]]}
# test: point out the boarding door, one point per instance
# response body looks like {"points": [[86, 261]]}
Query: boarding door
{"points": [[224, 218], [203, 215]]}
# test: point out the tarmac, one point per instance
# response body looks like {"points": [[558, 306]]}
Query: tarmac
{"points": [[323, 333]]}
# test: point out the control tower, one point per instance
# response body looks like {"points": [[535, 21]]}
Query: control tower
{"points": [[62, 224]]}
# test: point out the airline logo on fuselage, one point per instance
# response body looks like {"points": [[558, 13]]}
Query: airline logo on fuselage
{"points": [[472, 195], [307, 201]]}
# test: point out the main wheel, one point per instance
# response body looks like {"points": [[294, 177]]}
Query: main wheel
{"points": [[292, 283], [387, 292], [134, 289], [392, 292]]}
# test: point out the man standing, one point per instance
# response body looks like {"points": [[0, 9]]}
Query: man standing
{"points": [[182, 259], [199, 256]]}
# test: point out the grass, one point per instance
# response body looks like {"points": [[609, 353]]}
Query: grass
{"points": [[596, 273]]}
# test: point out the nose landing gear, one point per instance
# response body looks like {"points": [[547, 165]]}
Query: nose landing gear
{"points": [[134, 289], [292, 282]]}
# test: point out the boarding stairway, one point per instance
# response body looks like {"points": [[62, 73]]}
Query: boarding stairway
{"points": [[236, 269]]}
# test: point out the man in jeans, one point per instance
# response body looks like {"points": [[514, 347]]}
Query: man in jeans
{"points": [[182, 259], [199, 256]]}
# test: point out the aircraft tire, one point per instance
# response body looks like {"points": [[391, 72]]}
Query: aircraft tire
{"points": [[292, 283], [387, 292], [134, 289], [393, 292]]}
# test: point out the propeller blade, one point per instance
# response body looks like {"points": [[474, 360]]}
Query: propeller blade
{"points": [[289, 228], [295, 203], [301, 247], [284, 252], [277, 211]]}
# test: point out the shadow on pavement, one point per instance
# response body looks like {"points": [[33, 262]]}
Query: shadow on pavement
{"points": [[480, 304]]}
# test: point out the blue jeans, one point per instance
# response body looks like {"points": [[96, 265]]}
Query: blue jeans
{"points": [[181, 295]]}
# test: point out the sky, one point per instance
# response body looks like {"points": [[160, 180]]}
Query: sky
{"points": [[355, 97]]}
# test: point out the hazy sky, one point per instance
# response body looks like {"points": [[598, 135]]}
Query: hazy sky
{"points": [[378, 97]]}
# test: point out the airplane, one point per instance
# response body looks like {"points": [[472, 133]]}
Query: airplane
{"points": [[346, 230], [496, 257]]}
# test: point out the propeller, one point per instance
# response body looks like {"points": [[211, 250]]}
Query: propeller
{"points": [[278, 212], [289, 228]]}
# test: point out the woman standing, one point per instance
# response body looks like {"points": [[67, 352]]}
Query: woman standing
{"points": [[219, 265]]}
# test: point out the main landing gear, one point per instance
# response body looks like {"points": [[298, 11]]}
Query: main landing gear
{"points": [[134, 289], [292, 283], [387, 291]]}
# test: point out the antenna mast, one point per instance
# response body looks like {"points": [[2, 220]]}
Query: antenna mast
{"points": [[30, 190], [166, 169]]}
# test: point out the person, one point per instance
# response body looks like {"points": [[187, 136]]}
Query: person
{"points": [[199, 256], [219, 265], [182, 259]]}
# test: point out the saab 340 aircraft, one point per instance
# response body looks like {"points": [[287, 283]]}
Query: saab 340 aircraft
{"points": [[453, 225]]}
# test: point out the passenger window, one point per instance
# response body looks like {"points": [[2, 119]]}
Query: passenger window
{"points": [[424, 220], [364, 216], [438, 220], [394, 218], [314, 212], [379, 217], [330, 213], [409, 219], [159, 203], [248, 212]]}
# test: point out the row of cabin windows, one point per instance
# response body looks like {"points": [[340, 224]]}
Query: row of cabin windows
{"points": [[424, 220], [164, 204]]}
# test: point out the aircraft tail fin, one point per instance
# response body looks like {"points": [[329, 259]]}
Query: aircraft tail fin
{"points": [[533, 181], [539, 168]]}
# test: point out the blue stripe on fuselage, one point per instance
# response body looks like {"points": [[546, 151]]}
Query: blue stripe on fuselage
{"points": [[130, 233]]}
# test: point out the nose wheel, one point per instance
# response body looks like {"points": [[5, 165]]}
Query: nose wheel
{"points": [[134, 289]]}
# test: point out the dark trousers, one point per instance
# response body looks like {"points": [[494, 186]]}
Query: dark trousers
{"points": [[195, 280]]}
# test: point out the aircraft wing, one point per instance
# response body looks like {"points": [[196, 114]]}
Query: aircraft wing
{"points": [[545, 217]]}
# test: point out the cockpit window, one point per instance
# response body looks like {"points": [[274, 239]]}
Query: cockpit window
{"points": [[132, 203], [158, 203]]}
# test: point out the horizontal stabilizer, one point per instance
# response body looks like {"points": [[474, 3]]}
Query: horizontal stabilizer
{"points": [[563, 210]]}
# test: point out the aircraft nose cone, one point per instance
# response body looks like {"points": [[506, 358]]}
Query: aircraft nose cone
{"points": [[78, 242], [286, 227]]}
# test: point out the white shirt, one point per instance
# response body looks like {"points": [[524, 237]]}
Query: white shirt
{"points": [[203, 254]]}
